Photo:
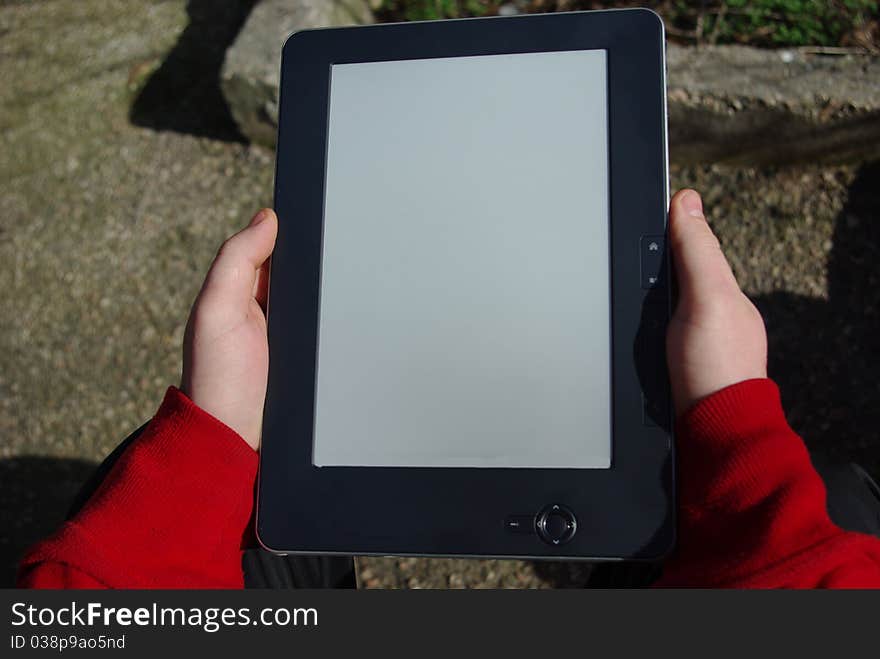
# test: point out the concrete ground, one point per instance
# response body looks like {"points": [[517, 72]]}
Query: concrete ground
{"points": [[121, 173]]}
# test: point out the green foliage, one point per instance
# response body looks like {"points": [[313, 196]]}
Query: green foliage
{"points": [[756, 22], [784, 22], [429, 10]]}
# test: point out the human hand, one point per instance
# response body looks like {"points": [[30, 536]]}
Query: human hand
{"points": [[716, 336], [225, 350]]}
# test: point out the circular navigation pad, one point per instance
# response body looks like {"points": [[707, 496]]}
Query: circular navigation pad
{"points": [[556, 524]]}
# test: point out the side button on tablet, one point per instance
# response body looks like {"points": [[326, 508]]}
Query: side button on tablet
{"points": [[652, 254], [556, 524], [651, 364]]}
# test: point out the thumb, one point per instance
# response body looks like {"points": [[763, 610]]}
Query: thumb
{"points": [[233, 274], [700, 265]]}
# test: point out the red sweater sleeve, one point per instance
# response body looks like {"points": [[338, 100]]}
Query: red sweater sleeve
{"points": [[173, 512], [752, 511]]}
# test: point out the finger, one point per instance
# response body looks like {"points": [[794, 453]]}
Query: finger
{"points": [[700, 265], [233, 275]]}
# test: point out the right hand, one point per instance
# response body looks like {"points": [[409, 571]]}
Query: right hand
{"points": [[716, 336]]}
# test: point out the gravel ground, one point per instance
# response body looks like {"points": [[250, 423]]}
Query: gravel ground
{"points": [[121, 173]]}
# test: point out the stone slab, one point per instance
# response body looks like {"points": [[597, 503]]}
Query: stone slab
{"points": [[251, 69], [749, 105], [726, 103]]}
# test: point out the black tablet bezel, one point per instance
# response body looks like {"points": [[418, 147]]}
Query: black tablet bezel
{"points": [[626, 511]]}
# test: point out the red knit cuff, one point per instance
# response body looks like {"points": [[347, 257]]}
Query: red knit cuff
{"points": [[727, 443], [740, 408], [172, 512], [235, 452]]}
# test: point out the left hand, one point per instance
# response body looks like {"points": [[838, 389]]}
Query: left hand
{"points": [[225, 350]]}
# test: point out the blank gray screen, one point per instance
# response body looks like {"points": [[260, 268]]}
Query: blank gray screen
{"points": [[464, 306]]}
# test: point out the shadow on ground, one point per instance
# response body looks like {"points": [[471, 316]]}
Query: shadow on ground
{"points": [[183, 95], [35, 495], [825, 356]]}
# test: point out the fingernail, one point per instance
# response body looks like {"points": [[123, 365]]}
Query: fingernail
{"points": [[692, 203], [262, 216]]}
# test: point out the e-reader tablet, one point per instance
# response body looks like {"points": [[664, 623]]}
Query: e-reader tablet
{"points": [[469, 291]]}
